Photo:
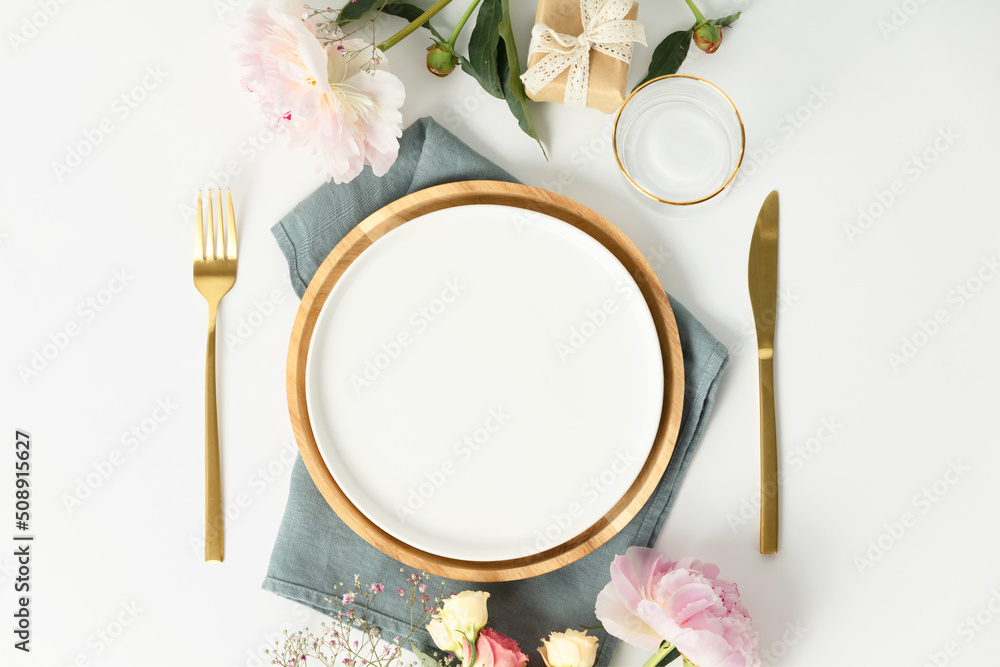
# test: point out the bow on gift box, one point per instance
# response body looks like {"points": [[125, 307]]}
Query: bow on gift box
{"points": [[604, 29]]}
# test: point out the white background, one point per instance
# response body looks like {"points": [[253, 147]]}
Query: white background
{"points": [[128, 552]]}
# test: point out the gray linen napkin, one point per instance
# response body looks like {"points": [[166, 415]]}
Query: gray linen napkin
{"points": [[315, 550]]}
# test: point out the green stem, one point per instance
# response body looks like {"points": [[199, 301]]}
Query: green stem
{"points": [[666, 654], [472, 658], [416, 23], [697, 13], [461, 24]]}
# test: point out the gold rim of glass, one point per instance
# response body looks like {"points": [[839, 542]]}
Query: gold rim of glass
{"points": [[618, 158]]}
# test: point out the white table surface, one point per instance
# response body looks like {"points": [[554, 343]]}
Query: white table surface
{"points": [[840, 101]]}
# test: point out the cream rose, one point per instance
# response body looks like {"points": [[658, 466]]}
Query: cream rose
{"points": [[569, 649], [461, 615], [443, 637]]}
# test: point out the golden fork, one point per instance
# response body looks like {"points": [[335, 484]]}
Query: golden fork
{"points": [[214, 275]]}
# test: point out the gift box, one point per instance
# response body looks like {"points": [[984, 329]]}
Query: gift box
{"points": [[606, 74]]}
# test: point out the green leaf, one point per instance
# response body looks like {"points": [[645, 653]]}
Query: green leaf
{"points": [[668, 55], [482, 63], [353, 11], [410, 12], [726, 21], [513, 88], [598, 626], [518, 106], [470, 70], [425, 659]]}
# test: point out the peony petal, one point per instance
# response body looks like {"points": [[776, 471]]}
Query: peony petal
{"points": [[628, 573], [310, 53], [385, 89], [620, 622], [382, 162], [692, 599], [383, 126], [701, 647]]}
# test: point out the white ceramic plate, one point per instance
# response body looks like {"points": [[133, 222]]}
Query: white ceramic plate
{"points": [[485, 383]]}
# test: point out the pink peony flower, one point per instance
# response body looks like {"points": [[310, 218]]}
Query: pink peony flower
{"points": [[338, 104], [493, 650], [651, 599]]}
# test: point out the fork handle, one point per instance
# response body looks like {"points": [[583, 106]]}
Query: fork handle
{"points": [[768, 458], [213, 469]]}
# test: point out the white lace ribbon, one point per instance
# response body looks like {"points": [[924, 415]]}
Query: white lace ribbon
{"points": [[604, 29]]}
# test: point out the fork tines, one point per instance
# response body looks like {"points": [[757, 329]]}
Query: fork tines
{"points": [[222, 242]]}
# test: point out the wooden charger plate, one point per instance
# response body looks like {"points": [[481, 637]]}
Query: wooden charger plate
{"points": [[529, 199]]}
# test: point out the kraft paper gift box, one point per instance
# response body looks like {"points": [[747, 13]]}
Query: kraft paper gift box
{"points": [[608, 75]]}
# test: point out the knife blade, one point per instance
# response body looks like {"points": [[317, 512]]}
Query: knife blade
{"points": [[763, 281]]}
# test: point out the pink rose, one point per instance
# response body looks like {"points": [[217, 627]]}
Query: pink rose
{"points": [[651, 599], [493, 650]]}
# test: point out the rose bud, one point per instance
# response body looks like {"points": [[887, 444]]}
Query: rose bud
{"points": [[441, 59], [707, 37]]}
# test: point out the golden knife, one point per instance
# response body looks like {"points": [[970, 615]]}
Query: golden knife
{"points": [[763, 280]]}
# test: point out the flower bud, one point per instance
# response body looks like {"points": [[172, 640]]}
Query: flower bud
{"points": [[441, 59], [707, 37]]}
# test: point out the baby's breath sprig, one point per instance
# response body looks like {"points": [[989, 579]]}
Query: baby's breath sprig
{"points": [[330, 31], [353, 639]]}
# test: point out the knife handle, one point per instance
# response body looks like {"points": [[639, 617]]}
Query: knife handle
{"points": [[768, 456]]}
